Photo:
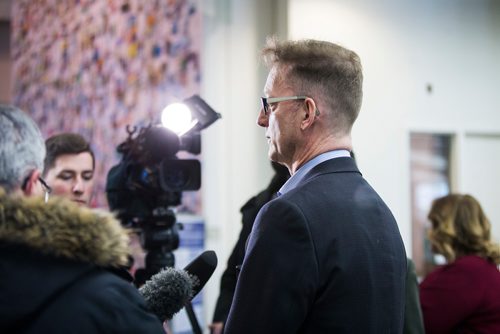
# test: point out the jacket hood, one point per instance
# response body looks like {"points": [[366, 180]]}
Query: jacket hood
{"points": [[62, 229]]}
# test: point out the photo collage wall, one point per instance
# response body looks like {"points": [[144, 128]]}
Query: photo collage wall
{"points": [[95, 66]]}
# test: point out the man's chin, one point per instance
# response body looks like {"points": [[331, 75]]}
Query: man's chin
{"points": [[271, 153], [273, 156]]}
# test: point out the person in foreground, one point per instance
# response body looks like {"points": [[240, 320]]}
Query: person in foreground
{"points": [[69, 167], [462, 296], [58, 261], [325, 256]]}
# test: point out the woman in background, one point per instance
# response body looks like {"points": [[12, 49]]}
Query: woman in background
{"points": [[462, 296]]}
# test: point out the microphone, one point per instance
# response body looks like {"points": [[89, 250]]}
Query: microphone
{"points": [[201, 269], [167, 292]]}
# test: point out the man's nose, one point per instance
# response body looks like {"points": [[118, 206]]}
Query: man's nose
{"points": [[79, 186], [262, 118]]}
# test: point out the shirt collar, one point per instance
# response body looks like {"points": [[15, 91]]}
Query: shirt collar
{"points": [[296, 178]]}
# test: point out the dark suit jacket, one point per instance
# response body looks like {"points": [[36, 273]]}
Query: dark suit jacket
{"points": [[326, 257]]}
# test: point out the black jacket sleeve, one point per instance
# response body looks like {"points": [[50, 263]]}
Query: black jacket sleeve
{"points": [[230, 276]]}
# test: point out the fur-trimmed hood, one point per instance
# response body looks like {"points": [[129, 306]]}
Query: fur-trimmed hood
{"points": [[61, 228]]}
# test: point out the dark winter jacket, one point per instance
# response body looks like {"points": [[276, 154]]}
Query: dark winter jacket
{"points": [[58, 265], [248, 213]]}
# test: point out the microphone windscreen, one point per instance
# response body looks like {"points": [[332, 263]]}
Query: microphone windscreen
{"points": [[167, 292], [202, 268]]}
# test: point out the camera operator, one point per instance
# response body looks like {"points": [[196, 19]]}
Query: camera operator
{"points": [[57, 260], [248, 213], [144, 188]]}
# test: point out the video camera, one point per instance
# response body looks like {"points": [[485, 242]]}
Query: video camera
{"points": [[147, 184]]}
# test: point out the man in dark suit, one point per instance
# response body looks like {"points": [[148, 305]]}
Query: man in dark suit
{"points": [[326, 256]]}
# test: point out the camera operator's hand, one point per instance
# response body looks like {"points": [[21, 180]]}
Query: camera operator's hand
{"points": [[166, 327], [216, 327]]}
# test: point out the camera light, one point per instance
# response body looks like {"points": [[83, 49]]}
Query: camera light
{"points": [[178, 118]]}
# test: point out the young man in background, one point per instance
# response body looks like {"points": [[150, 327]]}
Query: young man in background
{"points": [[69, 167]]}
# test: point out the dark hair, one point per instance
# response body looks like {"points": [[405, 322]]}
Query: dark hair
{"points": [[280, 177], [65, 143]]}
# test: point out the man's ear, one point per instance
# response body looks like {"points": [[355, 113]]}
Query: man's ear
{"points": [[310, 112], [32, 187]]}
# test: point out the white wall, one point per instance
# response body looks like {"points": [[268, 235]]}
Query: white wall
{"points": [[235, 163], [404, 46]]}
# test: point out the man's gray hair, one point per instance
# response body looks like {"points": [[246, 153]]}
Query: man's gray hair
{"points": [[22, 148], [321, 69]]}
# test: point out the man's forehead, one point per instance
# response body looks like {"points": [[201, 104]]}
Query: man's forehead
{"points": [[273, 79], [74, 162], [277, 79]]}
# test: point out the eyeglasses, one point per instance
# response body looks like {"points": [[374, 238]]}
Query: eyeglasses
{"points": [[266, 101], [46, 188]]}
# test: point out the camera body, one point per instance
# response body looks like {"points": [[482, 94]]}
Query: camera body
{"points": [[147, 184]]}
